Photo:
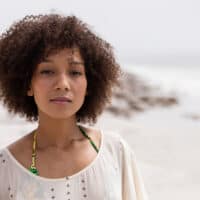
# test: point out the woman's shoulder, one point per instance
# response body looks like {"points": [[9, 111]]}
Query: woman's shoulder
{"points": [[19, 145], [10, 157], [4, 165], [113, 138], [20, 149], [3, 155], [115, 142]]}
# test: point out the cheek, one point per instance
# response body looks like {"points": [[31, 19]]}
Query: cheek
{"points": [[83, 87], [40, 88], [42, 84], [80, 90]]}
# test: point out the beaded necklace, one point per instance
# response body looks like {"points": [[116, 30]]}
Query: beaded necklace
{"points": [[33, 168]]}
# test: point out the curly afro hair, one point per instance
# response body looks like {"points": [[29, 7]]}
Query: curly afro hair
{"points": [[31, 39]]}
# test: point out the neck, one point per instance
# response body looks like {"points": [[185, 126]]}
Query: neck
{"points": [[57, 133]]}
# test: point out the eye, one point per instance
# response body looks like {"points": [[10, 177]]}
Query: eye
{"points": [[47, 72], [76, 73]]}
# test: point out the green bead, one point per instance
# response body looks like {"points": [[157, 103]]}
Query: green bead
{"points": [[34, 171]]}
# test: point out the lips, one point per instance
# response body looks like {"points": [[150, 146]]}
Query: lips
{"points": [[61, 99]]}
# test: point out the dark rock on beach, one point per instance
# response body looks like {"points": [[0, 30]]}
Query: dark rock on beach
{"points": [[136, 95]]}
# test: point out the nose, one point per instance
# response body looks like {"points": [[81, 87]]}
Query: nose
{"points": [[62, 82]]}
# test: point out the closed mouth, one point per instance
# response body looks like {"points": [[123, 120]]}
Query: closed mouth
{"points": [[60, 99]]}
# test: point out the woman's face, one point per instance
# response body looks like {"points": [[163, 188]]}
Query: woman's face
{"points": [[59, 84]]}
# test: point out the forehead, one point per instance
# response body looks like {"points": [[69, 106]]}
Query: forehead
{"points": [[66, 53]]}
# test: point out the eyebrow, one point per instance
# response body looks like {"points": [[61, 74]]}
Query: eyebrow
{"points": [[46, 60], [76, 62], [71, 61]]}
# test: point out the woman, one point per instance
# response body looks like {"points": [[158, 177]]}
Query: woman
{"points": [[56, 71]]}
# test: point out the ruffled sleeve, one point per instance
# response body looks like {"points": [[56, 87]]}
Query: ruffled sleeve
{"points": [[132, 182]]}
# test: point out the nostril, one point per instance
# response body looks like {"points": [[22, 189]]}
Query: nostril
{"points": [[62, 83]]}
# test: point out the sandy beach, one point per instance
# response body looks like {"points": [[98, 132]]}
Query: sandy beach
{"points": [[163, 130], [167, 146]]}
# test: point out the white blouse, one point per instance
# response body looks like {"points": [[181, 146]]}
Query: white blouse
{"points": [[112, 175]]}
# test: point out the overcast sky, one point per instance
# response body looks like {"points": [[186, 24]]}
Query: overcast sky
{"points": [[141, 31]]}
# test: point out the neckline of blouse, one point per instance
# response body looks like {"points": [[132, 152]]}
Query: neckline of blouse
{"points": [[62, 178]]}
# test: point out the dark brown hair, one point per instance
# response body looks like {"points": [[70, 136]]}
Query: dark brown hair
{"points": [[28, 41]]}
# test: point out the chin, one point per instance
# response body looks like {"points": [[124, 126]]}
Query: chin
{"points": [[59, 114]]}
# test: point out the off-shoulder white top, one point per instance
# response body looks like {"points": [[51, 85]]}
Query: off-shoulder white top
{"points": [[112, 175]]}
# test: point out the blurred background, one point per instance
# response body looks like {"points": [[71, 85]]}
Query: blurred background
{"points": [[156, 109]]}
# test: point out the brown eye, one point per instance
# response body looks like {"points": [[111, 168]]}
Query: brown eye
{"points": [[76, 73], [47, 72]]}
